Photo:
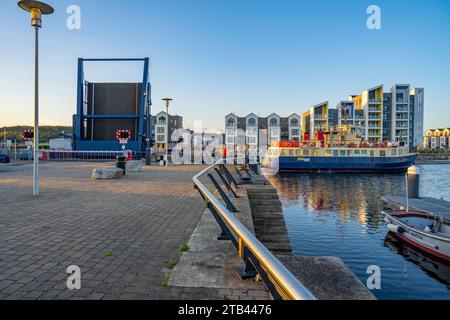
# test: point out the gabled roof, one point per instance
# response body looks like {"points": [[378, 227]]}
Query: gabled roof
{"points": [[273, 114], [231, 114], [251, 115]]}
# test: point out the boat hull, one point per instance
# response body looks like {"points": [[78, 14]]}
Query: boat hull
{"points": [[346, 164], [427, 242]]}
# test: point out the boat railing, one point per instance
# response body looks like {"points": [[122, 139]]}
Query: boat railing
{"points": [[281, 283]]}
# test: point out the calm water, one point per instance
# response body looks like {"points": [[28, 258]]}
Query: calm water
{"points": [[339, 215]]}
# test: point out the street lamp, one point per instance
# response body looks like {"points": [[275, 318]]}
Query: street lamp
{"points": [[167, 101], [37, 9]]}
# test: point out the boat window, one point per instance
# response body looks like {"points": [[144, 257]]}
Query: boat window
{"points": [[328, 152], [342, 153], [357, 152], [372, 153], [306, 152], [297, 152], [382, 153], [394, 152], [349, 153], [364, 152], [400, 151], [291, 152], [335, 153]]}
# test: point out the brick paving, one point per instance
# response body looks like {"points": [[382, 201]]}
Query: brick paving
{"points": [[120, 233]]}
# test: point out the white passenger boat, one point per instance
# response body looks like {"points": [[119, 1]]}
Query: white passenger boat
{"points": [[427, 232]]}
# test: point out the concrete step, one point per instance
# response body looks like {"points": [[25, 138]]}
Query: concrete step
{"points": [[275, 228], [256, 198], [266, 208], [266, 202], [280, 248], [275, 238]]}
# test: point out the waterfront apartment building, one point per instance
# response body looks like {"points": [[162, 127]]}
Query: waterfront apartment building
{"points": [[316, 119], [159, 128], [403, 115], [437, 139], [260, 131], [368, 116], [396, 116]]}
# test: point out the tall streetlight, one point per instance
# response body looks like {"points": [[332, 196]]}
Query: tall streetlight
{"points": [[167, 102], [37, 9]]}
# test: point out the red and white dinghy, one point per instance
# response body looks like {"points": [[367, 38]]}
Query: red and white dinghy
{"points": [[425, 231]]}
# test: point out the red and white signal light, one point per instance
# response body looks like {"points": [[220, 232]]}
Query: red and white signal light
{"points": [[123, 136]]}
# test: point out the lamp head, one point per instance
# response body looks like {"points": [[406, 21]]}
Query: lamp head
{"points": [[167, 101], [37, 9]]}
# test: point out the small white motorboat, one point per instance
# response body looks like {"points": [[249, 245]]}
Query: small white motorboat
{"points": [[424, 231]]}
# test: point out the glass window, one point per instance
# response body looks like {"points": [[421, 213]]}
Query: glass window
{"points": [[273, 122], [382, 153], [252, 122], [294, 123], [162, 120], [349, 153], [342, 153], [328, 152], [364, 152], [335, 153], [394, 152], [357, 152], [372, 153], [306, 152]]}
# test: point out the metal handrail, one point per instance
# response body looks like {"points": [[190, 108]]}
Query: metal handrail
{"points": [[281, 277]]}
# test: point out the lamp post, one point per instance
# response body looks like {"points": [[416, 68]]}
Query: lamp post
{"points": [[167, 102], [36, 9]]}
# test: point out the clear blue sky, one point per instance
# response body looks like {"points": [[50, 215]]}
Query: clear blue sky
{"points": [[214, 57]]}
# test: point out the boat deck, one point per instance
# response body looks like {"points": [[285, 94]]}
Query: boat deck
{"points": [[429, 205]]}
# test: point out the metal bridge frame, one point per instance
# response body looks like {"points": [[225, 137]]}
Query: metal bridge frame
{"points": [[144, 117]]}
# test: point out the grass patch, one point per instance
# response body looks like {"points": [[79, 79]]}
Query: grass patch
{"points": [[165, 281], [111, 254], [172, 263], [184, 247]]}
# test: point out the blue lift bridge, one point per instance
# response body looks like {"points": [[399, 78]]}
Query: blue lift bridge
{"points": [[104, 108]]}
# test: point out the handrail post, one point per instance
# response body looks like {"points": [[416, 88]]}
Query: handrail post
{"points": [[225, 233], [225, 182], [249, 270], [228, 174], [230, 205]]}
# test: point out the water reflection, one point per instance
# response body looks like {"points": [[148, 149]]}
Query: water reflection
{"points": [[433, 266], [340, 215], [353, 197]]}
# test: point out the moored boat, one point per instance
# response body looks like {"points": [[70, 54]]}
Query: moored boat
{"points": [[340, 151], [427, 232]]}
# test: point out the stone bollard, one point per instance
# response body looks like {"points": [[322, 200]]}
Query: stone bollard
{"points": [[414, 182], [121, 163]]}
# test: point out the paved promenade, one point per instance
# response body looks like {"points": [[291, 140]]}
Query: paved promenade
{"points": [[123, 234]]}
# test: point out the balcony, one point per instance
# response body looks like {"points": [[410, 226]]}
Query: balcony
{"points": [[374, 100]]}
